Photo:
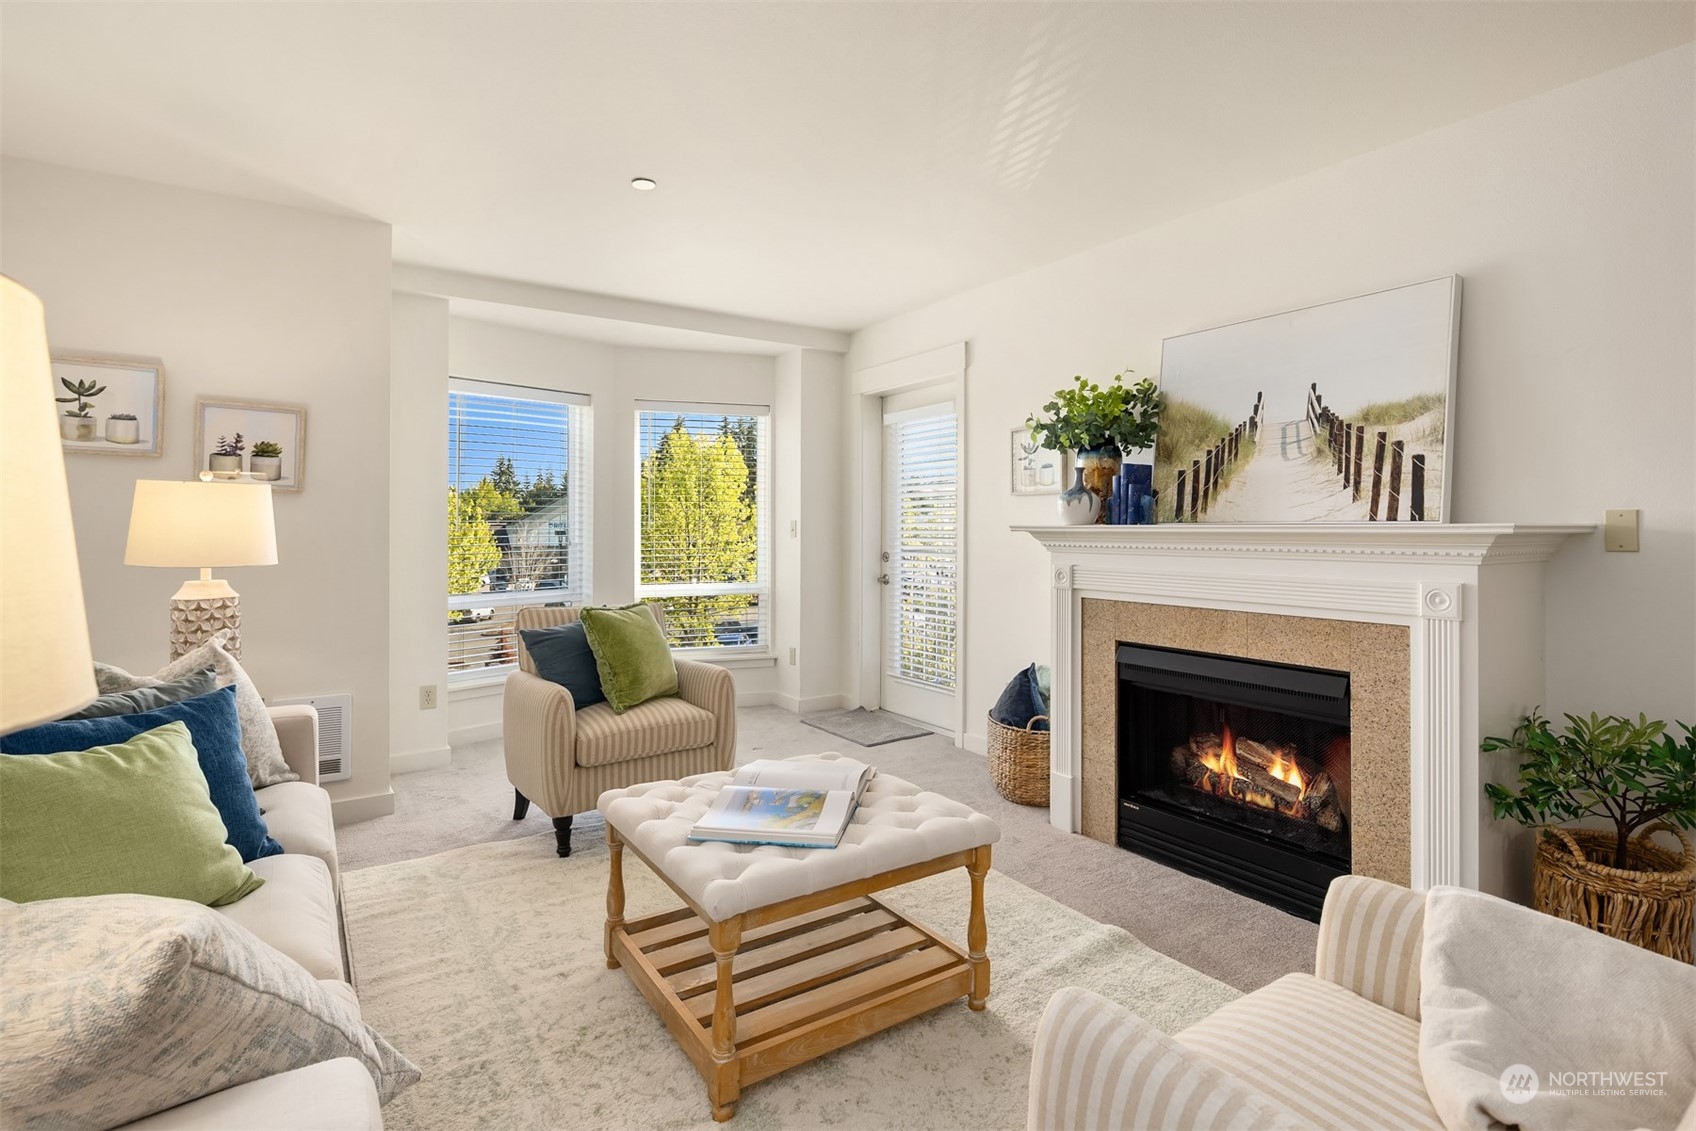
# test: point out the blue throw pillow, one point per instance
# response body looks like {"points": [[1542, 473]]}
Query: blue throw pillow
{"points": [[562, 656], [215, 730], [1021, 701]]}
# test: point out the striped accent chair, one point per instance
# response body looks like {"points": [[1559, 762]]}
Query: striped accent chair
{"points": [[562, 759], [1097, 1065]]}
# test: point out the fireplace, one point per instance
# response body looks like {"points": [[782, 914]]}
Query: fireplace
{"points": [[1236, 770]]}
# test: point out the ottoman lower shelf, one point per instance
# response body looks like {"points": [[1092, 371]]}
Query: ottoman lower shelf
{"points": [[802, 986]]}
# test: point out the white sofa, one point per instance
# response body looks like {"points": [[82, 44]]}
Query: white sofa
{"points": [[1339, 1048], [298, 911]]}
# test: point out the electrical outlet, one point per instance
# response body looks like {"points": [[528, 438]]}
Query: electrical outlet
{"points": [[427, 697], [791, 657], [1619, 531]]}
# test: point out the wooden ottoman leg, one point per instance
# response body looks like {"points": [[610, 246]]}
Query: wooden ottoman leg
{"points": [[724, 1088], [977, 931], [615, 893]]}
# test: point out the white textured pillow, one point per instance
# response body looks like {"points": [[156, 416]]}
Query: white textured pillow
{"points": [[265, 764], [118, 1006]]}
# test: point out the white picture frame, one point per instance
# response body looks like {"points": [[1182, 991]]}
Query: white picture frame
{"points": [[253, 422], [1341, 412], [128, 387], [1035, 470]]}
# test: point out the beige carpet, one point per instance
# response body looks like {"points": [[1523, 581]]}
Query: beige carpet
{"points": [[484, 966]]}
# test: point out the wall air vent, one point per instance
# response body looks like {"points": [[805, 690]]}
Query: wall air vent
{"points": [[335, 732]]}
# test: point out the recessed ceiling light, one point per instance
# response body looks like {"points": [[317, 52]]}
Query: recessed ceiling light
{"points": [[643, 184]]}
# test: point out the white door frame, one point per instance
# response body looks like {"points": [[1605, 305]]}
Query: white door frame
{"points": [[944, 371]]}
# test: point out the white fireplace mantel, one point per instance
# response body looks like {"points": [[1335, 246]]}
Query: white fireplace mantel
{"points": [[1470, 595]]}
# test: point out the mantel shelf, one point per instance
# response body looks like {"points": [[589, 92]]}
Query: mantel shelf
{"points": [[1479, 542]]}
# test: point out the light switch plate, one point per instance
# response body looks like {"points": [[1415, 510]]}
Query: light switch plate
{"points": [[1619, 532]]}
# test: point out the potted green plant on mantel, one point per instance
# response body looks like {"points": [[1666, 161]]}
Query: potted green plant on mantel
{"points": [[78, 421], [1101, 424], [1640, 779], [267, 461]]}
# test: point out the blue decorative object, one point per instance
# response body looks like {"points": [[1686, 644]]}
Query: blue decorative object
{"points": [[1138, 479], [216, 730]]}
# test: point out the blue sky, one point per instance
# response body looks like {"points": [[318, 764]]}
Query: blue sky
{"points": [[532, 434]]}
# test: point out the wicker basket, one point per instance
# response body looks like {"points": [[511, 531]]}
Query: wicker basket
{"points": [[1018, 762], [1651, 905]]}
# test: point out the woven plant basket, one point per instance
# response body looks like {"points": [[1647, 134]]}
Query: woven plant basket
{"points": [[1018, 762], [1651, 905]]}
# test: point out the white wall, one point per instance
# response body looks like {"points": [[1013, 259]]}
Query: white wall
{"points": [[807, 530], [1570, 215], [418, 537], [251, 302], [613, 377]]}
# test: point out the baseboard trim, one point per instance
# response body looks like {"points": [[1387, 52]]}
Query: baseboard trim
{"points": [[977, 744], [434, 758], [796, 705], [759, 699], [482, 732], [349, 810]]}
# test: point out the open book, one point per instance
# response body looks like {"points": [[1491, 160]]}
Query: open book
{"points": [[798, 804]]}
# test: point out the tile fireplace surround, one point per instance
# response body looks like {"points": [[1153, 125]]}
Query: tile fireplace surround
{"points": [[1440, 627]]}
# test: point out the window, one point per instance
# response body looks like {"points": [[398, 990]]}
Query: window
{"points": [[703, 523], [518, 492]]}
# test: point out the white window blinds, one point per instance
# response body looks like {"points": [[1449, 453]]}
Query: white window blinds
{"points": [[704, 540], [922, 528], [518, 493]]}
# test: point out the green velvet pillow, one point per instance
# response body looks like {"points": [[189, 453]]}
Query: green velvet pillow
{"points": [[631, 654], [136, 817]]}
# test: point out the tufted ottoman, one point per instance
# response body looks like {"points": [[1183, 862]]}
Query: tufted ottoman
{"points": [[779, 955]]}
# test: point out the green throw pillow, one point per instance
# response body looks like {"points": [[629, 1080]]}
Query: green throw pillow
{"points": [[631, 654], [136, 817]]}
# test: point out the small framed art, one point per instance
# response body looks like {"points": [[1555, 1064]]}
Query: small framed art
{"points": [[1036, 470], [109, 405], [251, 441]]}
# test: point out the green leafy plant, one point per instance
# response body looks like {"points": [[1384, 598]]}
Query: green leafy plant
{"points": [[81, 393], [1632, 773], [227, 447], [1092, 416], [263, 448], [122, 416]]}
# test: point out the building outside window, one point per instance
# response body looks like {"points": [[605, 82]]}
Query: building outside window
{"points": [[703, 529], [518, 531]]}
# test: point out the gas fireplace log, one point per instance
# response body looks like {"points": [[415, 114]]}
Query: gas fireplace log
{"points": [[1256, 753]]}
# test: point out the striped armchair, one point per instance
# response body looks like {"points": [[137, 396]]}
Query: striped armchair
{"points": [[562, 759], [1245, 1067]]}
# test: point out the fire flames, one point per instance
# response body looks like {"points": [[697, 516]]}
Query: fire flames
{"points": [[1284, 769]]}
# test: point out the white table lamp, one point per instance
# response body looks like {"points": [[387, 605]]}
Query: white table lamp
{"points": [[204, 525], [45, 667]]}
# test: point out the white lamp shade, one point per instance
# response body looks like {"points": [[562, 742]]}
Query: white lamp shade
{"points": [[45, 667], [199, 525]]}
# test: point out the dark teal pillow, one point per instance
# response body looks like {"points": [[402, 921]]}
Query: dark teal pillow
{"points": [[190, 686], [215, 730], [562, 656]]}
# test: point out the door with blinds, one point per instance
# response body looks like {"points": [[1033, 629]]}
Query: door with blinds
{"points": [[920, 559]]}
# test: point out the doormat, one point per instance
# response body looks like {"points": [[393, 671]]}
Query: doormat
{"points": [[863, 727]]}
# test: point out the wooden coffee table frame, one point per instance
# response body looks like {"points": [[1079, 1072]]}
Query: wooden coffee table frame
{"points": [[812, 973]]}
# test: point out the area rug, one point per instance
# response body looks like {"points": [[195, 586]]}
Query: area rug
{"points": [[484, 966], [863, 727]]}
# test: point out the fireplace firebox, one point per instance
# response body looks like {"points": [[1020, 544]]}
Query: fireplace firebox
{"points": [[1236, 770]]}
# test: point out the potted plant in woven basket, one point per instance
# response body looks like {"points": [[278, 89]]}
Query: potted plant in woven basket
{"points": [[1634, 775]]}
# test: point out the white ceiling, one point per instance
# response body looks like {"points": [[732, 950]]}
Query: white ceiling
{"points": [[821, 164]]}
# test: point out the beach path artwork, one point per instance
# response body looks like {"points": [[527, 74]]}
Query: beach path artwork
{"points": [[1333, 413]]}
